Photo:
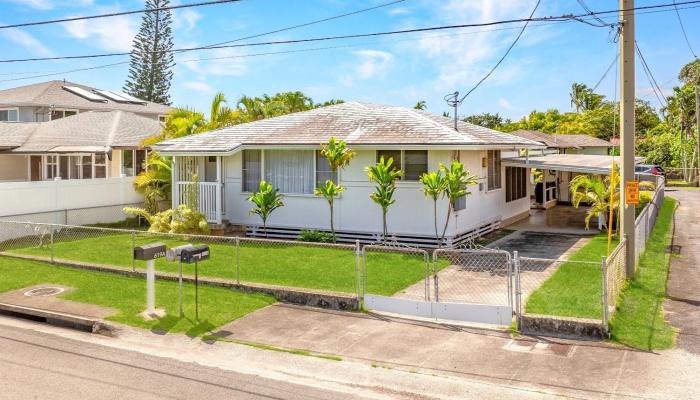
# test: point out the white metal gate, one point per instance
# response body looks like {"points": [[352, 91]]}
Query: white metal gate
{"points": [[459, 284]]}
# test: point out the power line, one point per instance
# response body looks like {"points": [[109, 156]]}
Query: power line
{"points": [[617, 56], [485, 77], [652, 81], [680, 21], [353, 36], [116, 14], [591, 13], [43, 74]]}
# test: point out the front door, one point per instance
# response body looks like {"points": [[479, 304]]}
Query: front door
{"points": [[35, 168]]}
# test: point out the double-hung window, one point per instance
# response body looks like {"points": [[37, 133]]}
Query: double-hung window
{"points": [[52, 167], [252, 170], [323, 170], [493, 165], [9, 115], [100, 165], [516, 183], [413, 162], [132, 162]]}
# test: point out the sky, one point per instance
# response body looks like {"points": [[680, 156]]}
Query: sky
{"points": [[397, 70]]}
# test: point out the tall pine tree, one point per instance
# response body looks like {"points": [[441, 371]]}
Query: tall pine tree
{"points": [[152, 60]]}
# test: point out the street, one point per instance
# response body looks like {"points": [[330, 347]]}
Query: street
{"points": [[41, 366]]}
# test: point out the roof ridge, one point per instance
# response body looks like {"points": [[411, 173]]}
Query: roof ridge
{"points": [[113, 127], [423, 115]]}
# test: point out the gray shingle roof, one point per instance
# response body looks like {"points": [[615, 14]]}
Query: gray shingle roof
{"points": [[90, 131], [583, 141], [50, 93], [356, 123], [562, 141], [547, 139]]}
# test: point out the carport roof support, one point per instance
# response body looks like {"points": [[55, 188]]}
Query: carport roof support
{"points": [[582, 163]]}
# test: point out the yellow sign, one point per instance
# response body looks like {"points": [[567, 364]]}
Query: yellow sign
{"points": [[632, 192]]}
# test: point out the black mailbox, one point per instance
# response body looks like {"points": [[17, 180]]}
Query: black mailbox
{"points": [[194, 254], [149, 251]]}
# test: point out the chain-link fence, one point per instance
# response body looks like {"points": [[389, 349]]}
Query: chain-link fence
{"points": [[476, 276], [646, 219], [111, 215], [315, 266], [613, 280], [394, 270]]}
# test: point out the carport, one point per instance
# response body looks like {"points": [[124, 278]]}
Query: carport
{"points": [[551, 209]]}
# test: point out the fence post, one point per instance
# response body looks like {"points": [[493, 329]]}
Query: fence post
{"points": [[516, 267], [435, 275], [133, 246], [604, 295], [358, 272], [51, 245], [426, 280], [238, 260]]}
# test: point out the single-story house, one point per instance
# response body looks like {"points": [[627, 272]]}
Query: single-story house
{"points": [[230, 163], [566, 144]]}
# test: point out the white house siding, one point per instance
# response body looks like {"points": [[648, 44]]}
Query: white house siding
{"points": [[13, 167], [412, 214]]}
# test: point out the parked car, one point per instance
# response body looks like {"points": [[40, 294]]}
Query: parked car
{"points": [[649, 169]]}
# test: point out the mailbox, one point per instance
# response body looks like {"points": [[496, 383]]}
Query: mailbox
{"points": [[149, 251], [173, 253], [194, 254]]}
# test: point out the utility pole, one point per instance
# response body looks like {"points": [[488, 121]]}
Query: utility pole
{"points": [[697, 129], [627, 101]]}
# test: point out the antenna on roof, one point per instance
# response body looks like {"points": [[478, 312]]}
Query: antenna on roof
{"points": [[452, 100]]}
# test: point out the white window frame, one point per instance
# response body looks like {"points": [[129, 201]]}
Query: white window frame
{"points": [[514, 184], [15, 109], [133, 161], [402, 162], [262, 173], [95, 165], [336, 178], [47, 165], [62, 110]]}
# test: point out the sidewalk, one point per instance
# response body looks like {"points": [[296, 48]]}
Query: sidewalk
{"points": [[683, 304], [571, 368]]}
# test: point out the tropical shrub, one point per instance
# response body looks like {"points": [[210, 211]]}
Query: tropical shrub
{"points": [[180, 220], [384, 175], [338, 156], [267, 199], [313, 235]]}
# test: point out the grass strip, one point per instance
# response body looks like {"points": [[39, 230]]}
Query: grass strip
{"points": [[639, 321], [127, 296]]}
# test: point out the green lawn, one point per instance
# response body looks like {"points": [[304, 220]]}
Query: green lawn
{"points": [[574, 290], [217, 306], [639, 321], [295, 265]]}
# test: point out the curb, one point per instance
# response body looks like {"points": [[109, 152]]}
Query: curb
{"points": [[58, 319]]}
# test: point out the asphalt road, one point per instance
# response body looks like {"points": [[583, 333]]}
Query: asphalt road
{"points": [[34, 365]]}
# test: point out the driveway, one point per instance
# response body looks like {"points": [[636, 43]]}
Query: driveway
{"points": [[481, 277]]}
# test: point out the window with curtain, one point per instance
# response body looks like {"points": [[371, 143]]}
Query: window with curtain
{"points": [[516, 183], [291, 171], [493, 163], [252, 170], [323, 170]]}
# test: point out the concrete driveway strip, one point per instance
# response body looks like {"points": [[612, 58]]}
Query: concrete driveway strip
{"points": [[683, 304]]}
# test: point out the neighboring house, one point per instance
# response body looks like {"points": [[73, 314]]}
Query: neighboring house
{"points": [[566, 144], [46, 101], [230, 163], [85, 160]]}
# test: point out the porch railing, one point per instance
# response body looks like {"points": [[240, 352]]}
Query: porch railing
{"points": [[208, 199]]}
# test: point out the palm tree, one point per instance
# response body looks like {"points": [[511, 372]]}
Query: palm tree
{"points": [[155, 181], [578, 96], [434, 187], [458, 179], [384, 176], [267, 199], [595, 191], [421, 105], [338, 156]]}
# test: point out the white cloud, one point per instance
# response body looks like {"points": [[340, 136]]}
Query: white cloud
{"points": [[399, 11], [223, 62], [27, 41], [504, 103], [461, 60], [116, 33], [373, 63], [199, 86], [186, 19]]}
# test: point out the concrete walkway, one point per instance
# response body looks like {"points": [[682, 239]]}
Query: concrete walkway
{"points": [[572, 369], [683, 304]]}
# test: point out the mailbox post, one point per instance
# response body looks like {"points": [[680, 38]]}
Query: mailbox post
{"points": [[194, 255], [174, 254], [149, 253]]}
